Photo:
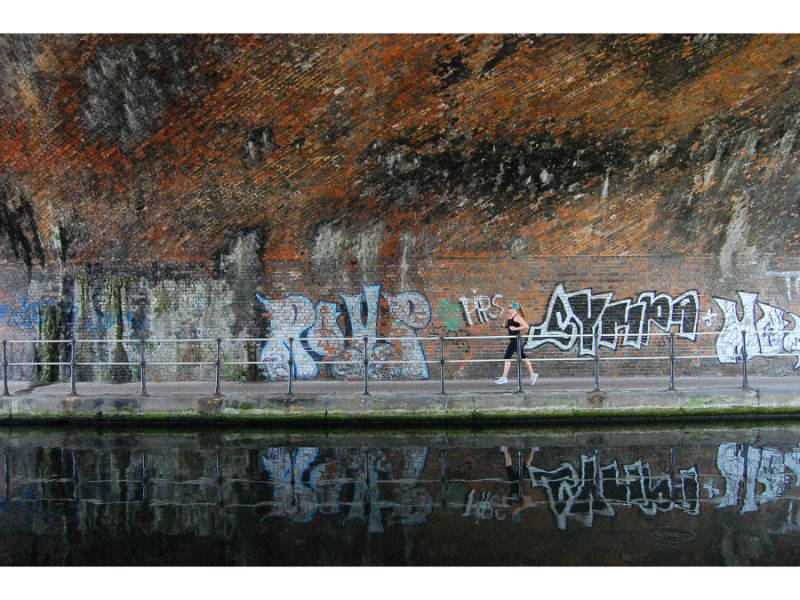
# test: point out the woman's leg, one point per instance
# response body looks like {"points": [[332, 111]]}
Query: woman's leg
{"points": [[534, 376], [506, 455], [507, 365]]}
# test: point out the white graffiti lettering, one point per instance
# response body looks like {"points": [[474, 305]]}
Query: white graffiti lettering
{"points": [[766, 336], [315, 329], [484, 307], [573, 318], [791, 278], [291, 318]]}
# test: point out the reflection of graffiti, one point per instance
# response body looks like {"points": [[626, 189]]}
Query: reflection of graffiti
{"points": [[765, 466], [596, 490], [484, 307], [792, 522], [764, 337], [305, 483], [585, 313], [313, 326], [486, 506]]}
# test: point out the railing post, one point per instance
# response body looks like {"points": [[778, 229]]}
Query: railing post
{"points": [[672, 362], [744, 359], [519, 363], [291, 363], [443, 475], [521, 472], [72, 367], [220, 480], [7, 466], [441, 362], [218, 369], [144, 477], [5, 368], [366, 367], [596, 362], [142, 368]]}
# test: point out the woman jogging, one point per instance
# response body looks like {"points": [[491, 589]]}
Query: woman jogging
{"points": [[516, 323]]}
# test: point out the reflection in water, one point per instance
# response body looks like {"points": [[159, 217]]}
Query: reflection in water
{"points": [[305, 482], [596, 490], [122, 498], [767, 466]]}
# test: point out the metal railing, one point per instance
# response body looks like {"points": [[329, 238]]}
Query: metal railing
{"points": [[366, 362]]}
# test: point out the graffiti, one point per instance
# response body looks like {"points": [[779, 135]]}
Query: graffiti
{"points": [[291, 317], [375, 486], [101, 322], [597, 490], [766, 336], [315, 327], [484, 307], [459, 344], [791, 278], [739, 463], [452, 316], [29, 314], [583, 313]]}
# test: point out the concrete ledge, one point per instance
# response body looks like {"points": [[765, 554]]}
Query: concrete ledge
{"points": [[499, 434], [37, 405]]}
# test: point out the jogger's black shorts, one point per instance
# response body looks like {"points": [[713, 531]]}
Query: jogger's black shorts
{"points": [[512, 347]]}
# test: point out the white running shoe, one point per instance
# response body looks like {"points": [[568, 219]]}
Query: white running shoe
{"points": [[534, 377], [501, 380]]}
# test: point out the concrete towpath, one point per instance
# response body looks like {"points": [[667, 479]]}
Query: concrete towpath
{"points": [[562, 399]]}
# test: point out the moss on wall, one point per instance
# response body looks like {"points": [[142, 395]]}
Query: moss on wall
{"points": [[117, 293], [52, 329]]}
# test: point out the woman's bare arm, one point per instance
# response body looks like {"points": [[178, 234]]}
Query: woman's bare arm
{"points": [[523, 324]]}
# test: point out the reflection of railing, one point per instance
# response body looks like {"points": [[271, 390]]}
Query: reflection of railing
{"points": [[366, 362]]}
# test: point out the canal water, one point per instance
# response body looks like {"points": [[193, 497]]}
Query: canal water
{"points": [[702, 495]]}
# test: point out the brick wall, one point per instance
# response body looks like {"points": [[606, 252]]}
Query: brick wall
{"points": [[155, 184], [627, 301]]}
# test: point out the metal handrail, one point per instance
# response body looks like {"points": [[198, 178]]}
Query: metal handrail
{"points": [[593, 356]]}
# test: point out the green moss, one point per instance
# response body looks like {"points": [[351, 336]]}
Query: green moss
{"points": [[117, 294], [162, 300], [248, 411], [253, 372], [52, 328], [84, 293], [233, 373]]}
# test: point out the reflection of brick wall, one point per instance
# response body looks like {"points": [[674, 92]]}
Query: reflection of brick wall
{"points": [[62, 500]]}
